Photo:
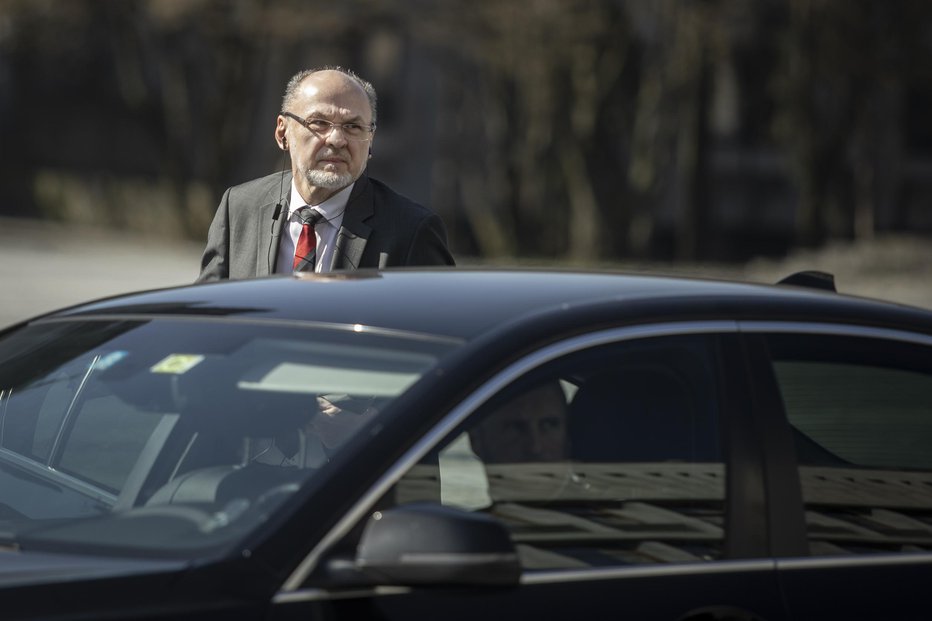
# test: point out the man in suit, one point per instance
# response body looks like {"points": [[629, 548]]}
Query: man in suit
{"points": [[326, 126]]}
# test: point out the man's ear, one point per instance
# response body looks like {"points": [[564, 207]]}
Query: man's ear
{"points": [[280, 139]]}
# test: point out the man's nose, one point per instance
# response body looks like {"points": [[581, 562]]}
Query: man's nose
{"points": [[336, 137], [535, 441]]}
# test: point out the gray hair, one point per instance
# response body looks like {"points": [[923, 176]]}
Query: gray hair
{"points": [[292, 88]]}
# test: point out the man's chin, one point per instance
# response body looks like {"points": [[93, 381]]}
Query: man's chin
{"points": [[329, 180]]}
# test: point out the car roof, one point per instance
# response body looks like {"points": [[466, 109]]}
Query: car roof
{"points": [[465, 303]]}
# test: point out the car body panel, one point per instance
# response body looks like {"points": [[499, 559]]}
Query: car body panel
{"points": [[495, 327], [476, 302]]}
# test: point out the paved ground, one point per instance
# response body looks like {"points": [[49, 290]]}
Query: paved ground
{"points": [[896, 268], [46, 266]]}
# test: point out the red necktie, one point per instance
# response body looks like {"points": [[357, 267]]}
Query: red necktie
{"points": [[304, 252]]}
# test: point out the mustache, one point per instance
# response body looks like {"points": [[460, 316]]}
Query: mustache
{"points": [[327, 154]]}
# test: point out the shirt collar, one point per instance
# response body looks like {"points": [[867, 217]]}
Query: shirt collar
{"points": [[330, 208]]}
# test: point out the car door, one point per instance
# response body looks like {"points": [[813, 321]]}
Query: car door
{"points": [[622, 465], [858, 405]]}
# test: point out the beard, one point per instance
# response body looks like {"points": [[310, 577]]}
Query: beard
{"points": [[329, 180]]}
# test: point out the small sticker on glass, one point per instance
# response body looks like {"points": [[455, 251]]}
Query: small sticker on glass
{"points": [[177, 363], [108, 360]]}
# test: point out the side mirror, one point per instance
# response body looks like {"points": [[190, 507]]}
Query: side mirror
{"points": [[430, 544]]}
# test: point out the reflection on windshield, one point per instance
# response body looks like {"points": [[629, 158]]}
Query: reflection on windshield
{"points": [[178, 435]]}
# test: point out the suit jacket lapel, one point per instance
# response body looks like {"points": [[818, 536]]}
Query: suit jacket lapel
{"points": [[354, 233]]}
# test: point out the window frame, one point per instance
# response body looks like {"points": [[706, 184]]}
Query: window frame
{"points": [[788, 530], [725, 330]]}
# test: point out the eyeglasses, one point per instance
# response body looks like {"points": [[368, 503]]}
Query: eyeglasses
{"points": [[322, 128]]}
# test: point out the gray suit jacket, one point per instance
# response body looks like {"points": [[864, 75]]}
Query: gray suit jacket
{"points": [[380, 229]]}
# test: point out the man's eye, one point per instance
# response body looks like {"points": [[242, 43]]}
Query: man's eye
{"points": [[515, 427], [318, 125], [353, 128], [550, 425]]}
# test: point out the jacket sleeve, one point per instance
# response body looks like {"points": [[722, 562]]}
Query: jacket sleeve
{"points": [[215, 260], [429, 244]]}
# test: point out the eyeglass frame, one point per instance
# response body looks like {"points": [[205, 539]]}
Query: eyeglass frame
{"points": [[369, 129]]}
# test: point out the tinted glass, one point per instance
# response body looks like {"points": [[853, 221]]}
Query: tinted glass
{"points": [[606, 457], [177, 435], [861, 411]]}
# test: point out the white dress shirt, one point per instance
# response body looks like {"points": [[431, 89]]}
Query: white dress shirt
{"points": [[325, 230]]}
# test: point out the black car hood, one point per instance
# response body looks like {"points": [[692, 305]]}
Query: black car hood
{"points": [[38, 585], [19, 568]]}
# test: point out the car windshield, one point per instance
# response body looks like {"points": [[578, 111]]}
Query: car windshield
{"points": [[174, 436]]}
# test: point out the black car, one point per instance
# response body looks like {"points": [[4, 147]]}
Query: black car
{"points": [[463, 444]]}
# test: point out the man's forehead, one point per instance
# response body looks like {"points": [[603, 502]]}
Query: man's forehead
{"points": [[333, 94], [328, 111]]}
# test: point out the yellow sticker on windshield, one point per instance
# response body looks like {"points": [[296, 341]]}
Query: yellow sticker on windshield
{"points": [[177, 363]]}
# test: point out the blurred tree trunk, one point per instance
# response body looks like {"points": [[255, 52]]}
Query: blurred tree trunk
{"points": [[839, 97], [668, 159], [484, 184], [689, 187], [593, 71], [552, 76]]}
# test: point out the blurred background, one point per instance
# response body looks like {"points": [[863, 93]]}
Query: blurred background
{"points": [[721, 137]]}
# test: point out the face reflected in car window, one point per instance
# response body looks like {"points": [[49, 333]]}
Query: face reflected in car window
{"points": [[529, 428]]}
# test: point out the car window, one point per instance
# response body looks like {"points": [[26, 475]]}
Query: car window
{"points": [[861, 412], [185, 433], [605, 457], [104, 441]]}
